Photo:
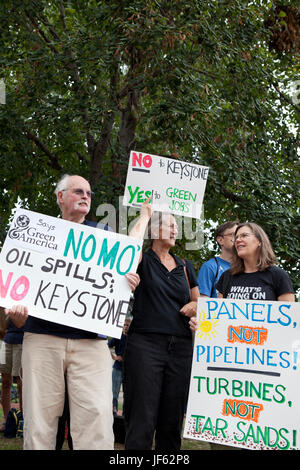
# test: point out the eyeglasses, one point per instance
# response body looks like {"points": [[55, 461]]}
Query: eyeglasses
{"points": [[228, 235], [81, 192], [243, 236]]}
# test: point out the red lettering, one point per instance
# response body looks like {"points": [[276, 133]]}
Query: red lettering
{"points": [[141, 160], [14, 294], [137, 159], [147, 161], [22, 281], [4, 287]]}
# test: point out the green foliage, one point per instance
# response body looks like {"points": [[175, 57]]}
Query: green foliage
{"points": [[88, 81]]}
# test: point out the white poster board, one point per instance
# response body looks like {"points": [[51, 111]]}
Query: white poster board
{"points": [[244, 389], [176, 187], [68, 273]]}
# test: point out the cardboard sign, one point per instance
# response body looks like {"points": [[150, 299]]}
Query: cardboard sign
{"points": [[244, 389], [68, 273], [176, 187]]}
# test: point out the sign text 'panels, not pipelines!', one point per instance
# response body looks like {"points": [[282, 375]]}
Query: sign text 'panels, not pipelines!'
{"points": [[244, 389]]}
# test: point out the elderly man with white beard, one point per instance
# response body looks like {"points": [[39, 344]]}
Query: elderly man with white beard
{"points": [[54, 353]]}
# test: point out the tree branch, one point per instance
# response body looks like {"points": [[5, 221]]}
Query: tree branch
{"points": [[62, 14], [41, 32], [286, 98], [52, 157]]}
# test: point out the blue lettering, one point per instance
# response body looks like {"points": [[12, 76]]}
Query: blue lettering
{"points": [[270, 354], [235, 306], [257, 312], [225, 312], [212, 305], [286, 363], [285, 315]]}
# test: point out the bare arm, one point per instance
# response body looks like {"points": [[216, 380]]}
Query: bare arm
{"points": [[288, 297], [4, 321], [139, 228]]}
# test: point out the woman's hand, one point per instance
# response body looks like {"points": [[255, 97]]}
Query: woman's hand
{"points": [[133, 280], [146, 208], [145, 215], [190, 309], [18, 314], [193, 324]]}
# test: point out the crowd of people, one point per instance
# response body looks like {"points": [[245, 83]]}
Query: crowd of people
{"points": [[69, 373]]}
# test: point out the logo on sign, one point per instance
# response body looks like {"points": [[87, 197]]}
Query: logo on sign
{"points": [[141, 162], [21, 224], [22, 231]]}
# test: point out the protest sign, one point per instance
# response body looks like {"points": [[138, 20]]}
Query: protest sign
{"points": [[244, 389], [176, 187], [68, 273]]}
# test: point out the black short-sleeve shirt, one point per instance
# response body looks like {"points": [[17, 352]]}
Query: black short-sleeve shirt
{"points": [[160, 296], [260, 285]]}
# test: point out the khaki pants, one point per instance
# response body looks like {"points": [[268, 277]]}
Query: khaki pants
{"points": [[87, 365], [12, 355]]}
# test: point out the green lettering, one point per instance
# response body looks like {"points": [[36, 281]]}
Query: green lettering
{"points": [[221, 425], [140, 196], [199, 382], [208, 426], [256, 391], [287, 442], [94, 244], [266, 391], [239, 424], [226, 383], [263, 434], [214, 380], [129, 247], [194, 197], [71, 241], [108, 256], [132, 194], [237, 388], [198, 418], [282, 399], [274, 444]]}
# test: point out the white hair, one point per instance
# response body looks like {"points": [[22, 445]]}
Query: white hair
{"points": [[61, 185]]}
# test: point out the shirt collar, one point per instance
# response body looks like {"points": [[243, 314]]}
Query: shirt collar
{"points": [[178, 260]]}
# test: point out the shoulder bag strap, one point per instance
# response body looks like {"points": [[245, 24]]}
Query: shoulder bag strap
{"points": [[186, 275], [216, 275]]}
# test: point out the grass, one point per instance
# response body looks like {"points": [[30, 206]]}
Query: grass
{"points": [[187, 444], [9, 444]]}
